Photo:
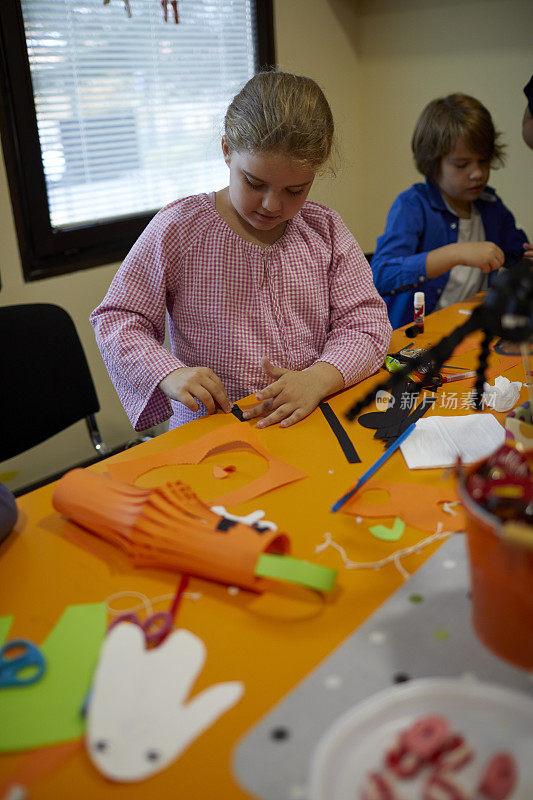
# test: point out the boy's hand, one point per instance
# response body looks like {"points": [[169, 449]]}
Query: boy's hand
{"points": [[187, 383], [485, 256], [528, 251], [293, 395]]}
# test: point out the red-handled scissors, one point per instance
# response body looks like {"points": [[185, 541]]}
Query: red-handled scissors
{"points": [[156, 627]]}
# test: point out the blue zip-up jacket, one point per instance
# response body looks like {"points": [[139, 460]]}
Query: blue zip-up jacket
{"points": [[418, 222]]}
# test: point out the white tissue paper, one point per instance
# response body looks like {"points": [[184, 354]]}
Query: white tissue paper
{"points": [[439, 441], [503, 396]]}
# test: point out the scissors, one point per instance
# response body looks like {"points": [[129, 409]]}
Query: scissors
{"points": [[156, 627], [23, 668]]}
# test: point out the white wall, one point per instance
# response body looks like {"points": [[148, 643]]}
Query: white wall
{"points": [[379, 62]]}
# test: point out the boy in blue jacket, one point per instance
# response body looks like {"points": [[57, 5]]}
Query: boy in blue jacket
{"points": [[447, 236]]}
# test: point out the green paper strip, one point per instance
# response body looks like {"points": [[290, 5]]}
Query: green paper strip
{"points": [[389, 534], [294, 570]]}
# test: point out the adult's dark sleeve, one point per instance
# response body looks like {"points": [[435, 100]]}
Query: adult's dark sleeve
{"points": [[8, 511], [528, 91]]}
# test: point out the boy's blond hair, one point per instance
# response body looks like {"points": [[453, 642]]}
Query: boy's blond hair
{"points": [[446, 120], [282, 113]]}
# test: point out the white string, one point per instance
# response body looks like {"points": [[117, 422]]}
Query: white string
{"points": [[393, 557], [165, 598], [145, 603], [116, 612]]}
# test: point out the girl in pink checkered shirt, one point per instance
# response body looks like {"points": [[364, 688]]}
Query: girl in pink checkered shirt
{"points": [[264, 291]]}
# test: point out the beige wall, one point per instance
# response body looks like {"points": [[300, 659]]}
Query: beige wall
{"points": [[316, 38], [79, 293], [379, 62], [415, 50]]}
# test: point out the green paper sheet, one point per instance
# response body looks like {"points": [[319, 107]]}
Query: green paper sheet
{"points": [[295, 570], [5, 624], [389, 534], [49, 711]]}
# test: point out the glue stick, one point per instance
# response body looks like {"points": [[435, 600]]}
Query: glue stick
{"points": [[419, 304]]}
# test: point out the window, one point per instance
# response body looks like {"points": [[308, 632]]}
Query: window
{"points": [[109, 112]]}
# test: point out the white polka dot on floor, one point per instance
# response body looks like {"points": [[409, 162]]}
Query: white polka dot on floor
{"points": [[332, 681], [297, 792]]}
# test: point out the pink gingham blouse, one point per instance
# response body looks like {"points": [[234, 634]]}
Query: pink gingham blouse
{"points": [[308, 297]]}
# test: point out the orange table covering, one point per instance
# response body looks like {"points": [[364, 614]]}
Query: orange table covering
{"points": [[269, 641]]}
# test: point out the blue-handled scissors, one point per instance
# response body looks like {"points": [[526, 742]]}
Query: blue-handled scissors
{"points": [[21, 668]]}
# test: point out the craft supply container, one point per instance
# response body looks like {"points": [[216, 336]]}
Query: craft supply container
{"points": [[501, 572], [519, 426]]}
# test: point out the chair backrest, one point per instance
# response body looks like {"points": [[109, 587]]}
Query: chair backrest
{"points": [[45, 382]]}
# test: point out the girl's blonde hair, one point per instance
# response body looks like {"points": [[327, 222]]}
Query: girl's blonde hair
{"points": [[282, 113], [446, 120]]}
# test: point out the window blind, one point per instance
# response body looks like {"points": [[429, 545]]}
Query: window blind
{"points": [[130, 109]]}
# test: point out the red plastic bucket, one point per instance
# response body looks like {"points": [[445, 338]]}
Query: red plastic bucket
{"points": [[501, 572]]}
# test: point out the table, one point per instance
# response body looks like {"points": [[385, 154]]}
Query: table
{"points": [[271, 642]]}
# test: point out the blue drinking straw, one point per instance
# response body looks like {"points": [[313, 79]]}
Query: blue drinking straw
{"points": [[374, 468]]}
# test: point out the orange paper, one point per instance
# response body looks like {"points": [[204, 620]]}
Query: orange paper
{"points": [[404, 501], [498, 364], [36, 765], [221, 440], [468, 344], [222, 472], [168, 527]]}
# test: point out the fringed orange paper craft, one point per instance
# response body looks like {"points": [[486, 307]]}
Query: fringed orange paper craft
{"points": [[230, 437], [168, 527]]}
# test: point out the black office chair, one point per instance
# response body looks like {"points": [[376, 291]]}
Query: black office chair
{"points": [[46, 384]]}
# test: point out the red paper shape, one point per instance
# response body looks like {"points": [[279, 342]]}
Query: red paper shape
{"points": [[222, 472]]}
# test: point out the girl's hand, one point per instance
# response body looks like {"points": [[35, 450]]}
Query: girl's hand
{"points": [[485, 256], [528, 251], [293, 395], [187, 383]]}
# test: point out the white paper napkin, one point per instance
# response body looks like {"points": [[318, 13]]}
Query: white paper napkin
{"points": [[503, 396], [439, 441]]}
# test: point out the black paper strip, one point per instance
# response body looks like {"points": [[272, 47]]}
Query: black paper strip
{"points": [[236, 411], [342, 437]]}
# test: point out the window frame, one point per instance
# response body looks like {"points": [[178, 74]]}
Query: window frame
{"points": [[46, 252]]}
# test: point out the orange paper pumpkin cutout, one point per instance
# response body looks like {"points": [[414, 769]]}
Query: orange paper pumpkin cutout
{"points": [[168, 527], [221, 440], [404, 502]]}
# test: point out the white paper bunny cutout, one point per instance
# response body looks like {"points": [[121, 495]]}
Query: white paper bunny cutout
{"points": [[138, 719]]}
